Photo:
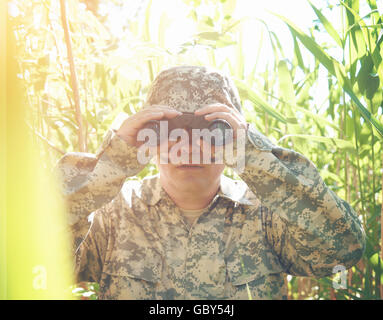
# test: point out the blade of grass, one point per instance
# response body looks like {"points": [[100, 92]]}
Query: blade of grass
{"points": [[338, 143], [286, 90], [307, 112], [328, 26], [366, 34], [333, 68], [298, 54], [249, 94]]}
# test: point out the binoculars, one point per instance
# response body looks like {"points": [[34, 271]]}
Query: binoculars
{"points": [[220, 132]]}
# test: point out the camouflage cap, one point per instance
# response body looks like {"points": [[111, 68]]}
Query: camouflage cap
{"points": [[188, 88]]}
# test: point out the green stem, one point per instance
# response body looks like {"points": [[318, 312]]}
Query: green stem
{"points": [[356, 114], [343, 134], [345, 153], [151, 73], [373, 163], [73, 76]]}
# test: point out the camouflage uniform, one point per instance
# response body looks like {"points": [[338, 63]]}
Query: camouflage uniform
{"points": [[281, 218]]}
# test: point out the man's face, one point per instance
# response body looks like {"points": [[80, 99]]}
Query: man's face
{"points": [[192, 174]]}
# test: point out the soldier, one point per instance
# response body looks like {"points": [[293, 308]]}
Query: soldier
{"points": [[190, 232]]}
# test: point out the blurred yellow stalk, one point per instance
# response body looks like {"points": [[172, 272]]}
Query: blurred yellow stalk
{"points": [[2, 151], [35, 261]]}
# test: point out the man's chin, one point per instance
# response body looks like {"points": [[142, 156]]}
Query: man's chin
{"points": [[192, 177]]}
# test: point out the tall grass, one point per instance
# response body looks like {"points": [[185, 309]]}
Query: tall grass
{"points": [[342, 136], [34, 255]]}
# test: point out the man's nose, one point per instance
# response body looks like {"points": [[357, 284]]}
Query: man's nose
{"points": [[190, 145]]}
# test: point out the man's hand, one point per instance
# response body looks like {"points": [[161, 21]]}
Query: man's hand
{"points": [[233, 117], [221, 111], [130, 127]]}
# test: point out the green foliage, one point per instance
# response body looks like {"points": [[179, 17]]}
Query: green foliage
{"points": [[86, 291]]}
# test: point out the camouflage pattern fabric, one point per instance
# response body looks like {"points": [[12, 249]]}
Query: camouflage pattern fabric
{"points": [[280, 219], [187, 88]]}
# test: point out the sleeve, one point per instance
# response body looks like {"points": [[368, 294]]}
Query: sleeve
{"points": [[90, 181], [91, 253], [308, 226]]}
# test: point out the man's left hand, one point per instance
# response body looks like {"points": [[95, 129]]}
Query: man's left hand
{"points": [[221, 111]]}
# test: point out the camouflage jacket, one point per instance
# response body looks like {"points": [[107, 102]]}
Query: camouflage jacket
{"points": [[281, 218]]}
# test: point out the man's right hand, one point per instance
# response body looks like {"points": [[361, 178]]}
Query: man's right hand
{"points": [[130, 127]]}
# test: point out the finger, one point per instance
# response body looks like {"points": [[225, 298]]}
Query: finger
{"points": [[171, 113], [167, 113], [232, 118], [233, 121], [214, 108], [139, 120], [155, 114], [157, 107], [221, 108]]}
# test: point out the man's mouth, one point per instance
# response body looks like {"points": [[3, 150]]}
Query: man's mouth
{"points": [[189, 166]]}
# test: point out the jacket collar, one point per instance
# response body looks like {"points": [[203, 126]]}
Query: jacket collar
{"points": [[151, 191]]}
